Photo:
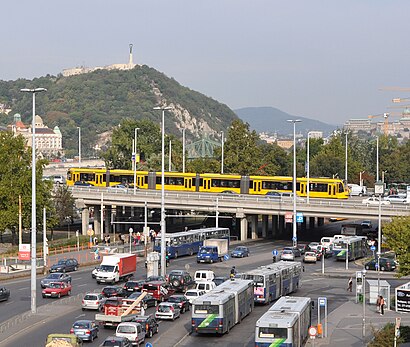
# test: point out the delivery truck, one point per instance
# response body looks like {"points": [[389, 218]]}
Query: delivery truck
{"points": [[116, 267], [213, 250]]}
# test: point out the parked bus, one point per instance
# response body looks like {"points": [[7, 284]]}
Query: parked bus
{"points": [[217, 311], [189, 242], [352, 229], [286, 323], [355, 246], [274, 280]]}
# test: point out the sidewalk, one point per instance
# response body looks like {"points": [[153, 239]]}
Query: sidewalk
{"points": [[345, 325]]}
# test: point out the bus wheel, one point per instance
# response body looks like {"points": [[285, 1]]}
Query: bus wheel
{"points": [[176, 255], [228, 327], [191, 252]]}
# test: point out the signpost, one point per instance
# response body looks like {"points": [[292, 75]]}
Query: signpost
{"points": [[299, 217], [322, 302], [24, 251], [312, 332], [288, 217]]}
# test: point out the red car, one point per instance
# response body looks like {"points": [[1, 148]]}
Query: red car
{"points": [[57, 290]]}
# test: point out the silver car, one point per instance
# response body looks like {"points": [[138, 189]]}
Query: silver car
{"points": [[287, 254], [93, 301], [167, 310]]}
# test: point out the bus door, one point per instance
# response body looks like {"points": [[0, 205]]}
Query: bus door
{"points": [[257, 185], [303, 190], [278, 285], [206, 186], [188, 183], [331, 189]]}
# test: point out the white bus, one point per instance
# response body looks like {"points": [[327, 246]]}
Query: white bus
{"points": [[274, 280], [217, 311], [286, 323], [356, 246]]}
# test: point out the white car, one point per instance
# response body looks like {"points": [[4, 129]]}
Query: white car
{"points": [[132, 331], [118, 188], [192, 294], [396, 199], [374, 200], [309, 257], [93, 301], [168, 310], [287, 254]]}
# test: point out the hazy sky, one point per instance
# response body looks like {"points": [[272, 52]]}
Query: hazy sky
{"points": [[325, 60]]}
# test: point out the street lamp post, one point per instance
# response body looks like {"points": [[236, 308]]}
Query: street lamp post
{"points": [[79, 145], [364, 301], [33, 199], [308, 169], [222, 153], [162, 222], [377, 158], [135, 159], [379, 190], [294, 237], [346, 159], [183, 150], [170, 152]]}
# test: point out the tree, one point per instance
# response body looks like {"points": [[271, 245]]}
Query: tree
{"points": [[385, 336], [330, 161], [242, 153], [397, 234], [63, 203], [15, 181]]}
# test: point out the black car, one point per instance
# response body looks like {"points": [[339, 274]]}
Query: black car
{"points": [[155, 279], [148, 300], [114, 341], [4, 294], [65, 265], [149, 323], [55, 277], [133, 286], [219, 280], [110, 291], [296, 251], [303, 249], [180, 280], [181, 300], [386, 264]]}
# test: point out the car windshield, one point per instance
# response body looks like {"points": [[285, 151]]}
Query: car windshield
{"points": [[90, 297], [206, 250], [113, 343], [175, 299], [240, 249], [164, 308], [55, 285], [107, 268], [81, 325], [61, 262], [126, 329], [53, 276], [287, 251]]}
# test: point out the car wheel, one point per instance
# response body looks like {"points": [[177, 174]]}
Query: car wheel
{"points": [[367, 267], [63, 270], [44, 296], [382, 268], [59, 295], [182, 310], [69, 292], [83, 309], [150, 333], [75, 268], [145, 306]]}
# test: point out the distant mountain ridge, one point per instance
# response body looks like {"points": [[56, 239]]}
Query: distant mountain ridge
{"points": [[270, 120]]}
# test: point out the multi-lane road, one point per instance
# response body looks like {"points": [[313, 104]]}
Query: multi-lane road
{"points": [[57, 315]]}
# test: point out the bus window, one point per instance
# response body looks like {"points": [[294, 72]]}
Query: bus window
{"points": [[277, 333]]}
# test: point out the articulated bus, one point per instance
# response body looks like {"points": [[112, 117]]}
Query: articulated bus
{"points": [[286, 323], [217, 311], [189, 242], [321, 187], [274, 280], [355, 246]]}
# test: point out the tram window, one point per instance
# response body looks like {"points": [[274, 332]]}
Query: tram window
{"points": [[318, 187], [276, 333], [87, 177]]}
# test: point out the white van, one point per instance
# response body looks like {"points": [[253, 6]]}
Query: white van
{"points": [[132, 331], [326, 241], [356, 190], [206, 286], [204, 275]]}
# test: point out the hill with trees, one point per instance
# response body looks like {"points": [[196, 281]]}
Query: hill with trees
{"points": [[101, 100]]}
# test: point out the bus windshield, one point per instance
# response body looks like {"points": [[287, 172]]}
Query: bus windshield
{"points": [[273, 333], [207, 309]]}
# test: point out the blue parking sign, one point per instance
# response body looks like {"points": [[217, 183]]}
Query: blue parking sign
{"points": [[226, 257], [275, 252], [148, 344], [299, 217], [372, 248]]}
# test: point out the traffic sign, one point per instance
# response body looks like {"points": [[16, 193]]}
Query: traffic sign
{"points": [[322, 302], [275, 252], [288, 217], [372, 248], [226, 257], [299, 217], [312, 332], [148, 344], [294, 238]]}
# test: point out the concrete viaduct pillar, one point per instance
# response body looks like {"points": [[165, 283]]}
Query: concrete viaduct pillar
{"points": [[97, 222], [265, 225], [244, 229], [85, 220], [254, 227]]}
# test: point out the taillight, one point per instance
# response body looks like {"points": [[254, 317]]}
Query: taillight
{"points": [[182, 281], [71, 331], [82, 301], [97, 302], [172, 308], [146, 327]]}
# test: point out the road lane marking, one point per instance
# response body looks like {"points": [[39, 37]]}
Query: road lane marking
{"points": [[82, 285], [24, 288], [79, 316]]}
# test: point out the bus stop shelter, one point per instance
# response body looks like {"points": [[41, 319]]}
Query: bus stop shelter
{"points": [[374, 292]]}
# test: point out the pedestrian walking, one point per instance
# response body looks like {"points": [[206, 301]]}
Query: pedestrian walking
{"points": [[108, 239], [382, 304], [96, 254], [142, 311], [350, 284], [378, 304]]}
